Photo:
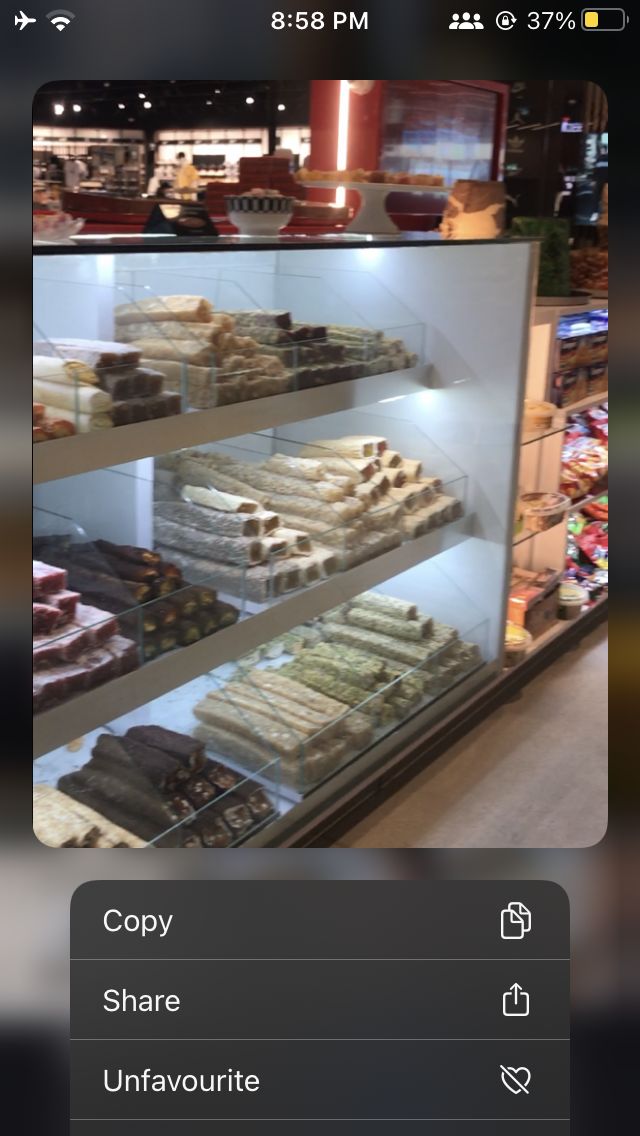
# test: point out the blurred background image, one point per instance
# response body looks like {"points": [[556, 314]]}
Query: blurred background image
{"points": [[551, 171]]}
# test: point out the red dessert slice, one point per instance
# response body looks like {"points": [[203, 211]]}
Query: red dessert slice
{"points": [[45, 618], [47, 579]]}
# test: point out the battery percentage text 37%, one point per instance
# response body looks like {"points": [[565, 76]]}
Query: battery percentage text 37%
{"points": [[543, 20]]}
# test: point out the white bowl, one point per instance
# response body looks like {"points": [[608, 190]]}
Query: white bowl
{"points": [[259, 216]]}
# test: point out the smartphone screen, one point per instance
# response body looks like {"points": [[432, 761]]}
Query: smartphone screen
{"points": [[316, 834]]}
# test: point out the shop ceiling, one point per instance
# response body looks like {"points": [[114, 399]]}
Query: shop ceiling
{"points": [[162, 104]]}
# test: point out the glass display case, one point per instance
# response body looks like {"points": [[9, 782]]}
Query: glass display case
{"points": [[247, 605]]}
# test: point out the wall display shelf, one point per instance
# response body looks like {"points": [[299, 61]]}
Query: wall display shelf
{"points": [[417, 460], [569, 341]]}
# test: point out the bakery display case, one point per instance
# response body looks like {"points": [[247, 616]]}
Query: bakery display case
{"points": [[246, 607]]}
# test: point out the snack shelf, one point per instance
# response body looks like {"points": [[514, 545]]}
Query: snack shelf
{"points": [[65, 457], [558, 628], [75, 717]]}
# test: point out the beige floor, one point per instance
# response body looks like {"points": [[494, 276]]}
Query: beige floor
{"points": [[533, 775]]}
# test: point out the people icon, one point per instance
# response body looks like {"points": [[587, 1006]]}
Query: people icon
{"points": [[465, 24]]}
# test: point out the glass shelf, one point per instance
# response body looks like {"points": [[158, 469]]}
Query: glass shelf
{"points": [[539, 435]]}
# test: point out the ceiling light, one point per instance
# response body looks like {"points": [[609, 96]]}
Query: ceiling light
{"points": [[77, 107], [249, 100], [217, 91], [147, 105], [121, 106], [281, 106], [209, 102], [141, 95], [58, 108]]}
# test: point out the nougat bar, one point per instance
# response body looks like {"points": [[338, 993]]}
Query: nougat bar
{"points": [[180, 746], [163, 770], [211, 831], [129, 552]]}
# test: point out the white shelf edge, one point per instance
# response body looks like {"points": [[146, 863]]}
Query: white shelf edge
{"points": [[593, 304], [99, 449], [585, 403], [62, 724]]}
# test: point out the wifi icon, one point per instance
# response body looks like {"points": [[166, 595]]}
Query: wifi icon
{"points": [[60, 18]]}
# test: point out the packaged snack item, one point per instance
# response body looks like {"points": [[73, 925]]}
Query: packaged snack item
{"points": [[517, 642], [544, 510], [571, 600]]}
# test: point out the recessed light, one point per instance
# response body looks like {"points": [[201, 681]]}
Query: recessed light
{"points": [[58, 108], [217, 91], [147, 105], [77, 107], [121, 106], [281, 106], [209, 102], [141, 95], [249, 100]]}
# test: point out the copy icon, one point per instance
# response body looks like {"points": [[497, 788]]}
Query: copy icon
{"points": [[515, 920]]}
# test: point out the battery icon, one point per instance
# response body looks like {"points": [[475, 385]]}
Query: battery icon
{"points": [[604, 19]]}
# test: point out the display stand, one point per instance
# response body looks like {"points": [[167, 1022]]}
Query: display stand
{"points": [[463, 309], [372, 215]]}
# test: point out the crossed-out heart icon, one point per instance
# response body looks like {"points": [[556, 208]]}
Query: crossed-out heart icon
{"points": [[516, 1080]]}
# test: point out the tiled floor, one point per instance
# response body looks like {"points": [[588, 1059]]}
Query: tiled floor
{"points": [[533, 775]]}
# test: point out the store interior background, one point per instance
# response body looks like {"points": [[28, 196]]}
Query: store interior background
{"points": [[547, 138]]}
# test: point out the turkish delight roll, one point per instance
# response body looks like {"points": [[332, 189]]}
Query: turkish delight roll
{"points": [[182, 307], [97, 354], [386, 605], [209, 520], [232, 550], [214, 499], [412, 629], [63, 371]]}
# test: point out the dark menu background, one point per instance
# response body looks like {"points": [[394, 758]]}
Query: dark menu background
{"points": [[363, 1006]]}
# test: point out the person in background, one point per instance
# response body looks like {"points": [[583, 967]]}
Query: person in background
{"points": [[75, 171], [186, 179]]}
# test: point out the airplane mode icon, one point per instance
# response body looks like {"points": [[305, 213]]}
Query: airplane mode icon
{"points": [[22, 20]]}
